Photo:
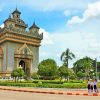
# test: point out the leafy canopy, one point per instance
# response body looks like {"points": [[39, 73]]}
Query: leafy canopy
{"points": [[47, 68]]}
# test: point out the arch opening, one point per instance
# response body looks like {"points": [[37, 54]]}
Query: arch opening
{"points": [[22, 64]]}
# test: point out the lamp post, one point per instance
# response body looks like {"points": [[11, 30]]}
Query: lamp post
{"points": [[96, 68]]}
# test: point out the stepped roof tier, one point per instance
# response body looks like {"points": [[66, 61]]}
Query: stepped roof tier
{"points": [[15, 30]]}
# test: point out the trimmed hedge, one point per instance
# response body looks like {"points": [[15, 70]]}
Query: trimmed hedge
{"points": [[57, 81], [49, 81], [45, 85], [17, 84]]}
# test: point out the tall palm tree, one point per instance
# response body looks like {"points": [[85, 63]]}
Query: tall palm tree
{"points": [[66, 56]]}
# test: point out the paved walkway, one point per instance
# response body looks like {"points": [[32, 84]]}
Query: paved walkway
{"points": [[50, 91], [15, 95]]}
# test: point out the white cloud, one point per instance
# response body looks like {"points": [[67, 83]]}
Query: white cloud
{"points": [[1, 6], [75, 20], [44, 54], [71, 12], [92, 12], [80, 44], [2, 26], [50, 5], [46, 37], [67, 12]]}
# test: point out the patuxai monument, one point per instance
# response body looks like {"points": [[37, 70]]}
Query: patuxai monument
{"points": [[19, 46]]}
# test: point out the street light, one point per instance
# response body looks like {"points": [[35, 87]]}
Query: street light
{"points": [[96, 68]]}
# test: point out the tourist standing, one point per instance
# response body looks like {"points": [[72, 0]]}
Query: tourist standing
{"points": [[89, 88], [95, 86]]}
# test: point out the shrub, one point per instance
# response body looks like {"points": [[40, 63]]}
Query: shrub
{"points": [[39, 83], [35, 75], [49, 81]]}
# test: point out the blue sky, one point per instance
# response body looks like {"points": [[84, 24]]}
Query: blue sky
{"points": [[73, 24]]}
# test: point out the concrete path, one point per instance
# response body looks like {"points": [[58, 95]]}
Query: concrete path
{"points": [[15, 95], [49, 91]]}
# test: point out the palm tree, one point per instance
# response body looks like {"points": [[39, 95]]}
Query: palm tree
{"points": [[66, 56]]}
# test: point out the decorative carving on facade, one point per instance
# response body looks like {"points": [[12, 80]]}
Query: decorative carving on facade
{"points": [[16, 25], [15, 30], [24, 52]]}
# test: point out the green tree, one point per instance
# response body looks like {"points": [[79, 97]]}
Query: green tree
{"points": [[99, 75], [80, 75], [35, 75], [84, 65], [18, 73], [88, 66], [63, 72], [66, 56], [14, 74], [72, 74], [47, 69], [78, 66]]}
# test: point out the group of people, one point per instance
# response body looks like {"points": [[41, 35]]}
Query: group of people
{"points": [[92, 86]]}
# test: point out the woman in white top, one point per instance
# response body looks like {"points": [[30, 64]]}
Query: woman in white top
{"points": [[91, 86], [95, 86]]}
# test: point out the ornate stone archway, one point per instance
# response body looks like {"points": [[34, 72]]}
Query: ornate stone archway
{"points": [[24, 57], [13, 37]]}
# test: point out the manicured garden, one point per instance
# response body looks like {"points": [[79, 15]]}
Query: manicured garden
{"points": [[49, 75], [47, 84]]}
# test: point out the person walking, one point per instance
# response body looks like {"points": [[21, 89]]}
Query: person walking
{"points": [[95, 86], [89, 88]]}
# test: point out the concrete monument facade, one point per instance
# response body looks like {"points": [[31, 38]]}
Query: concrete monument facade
{"points": [[18, 47]]}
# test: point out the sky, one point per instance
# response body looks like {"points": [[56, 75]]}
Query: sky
{"points": [[73, 24]]}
